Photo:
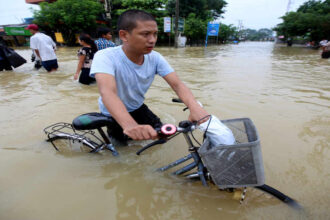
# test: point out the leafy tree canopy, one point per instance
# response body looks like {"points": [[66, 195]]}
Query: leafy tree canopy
{"points": [[227, 32], [204, 9], [74, 16], [311, 21], [197, 14], [154, 7], [69, 16]]}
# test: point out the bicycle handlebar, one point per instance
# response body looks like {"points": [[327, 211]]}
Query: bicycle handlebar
{"points": [[165, 133], [168, 130]]}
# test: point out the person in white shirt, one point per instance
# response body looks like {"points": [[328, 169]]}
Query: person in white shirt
{"points": [[44, 47]]}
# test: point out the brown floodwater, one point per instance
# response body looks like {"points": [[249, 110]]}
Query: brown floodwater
{"points": [[285, 91]]}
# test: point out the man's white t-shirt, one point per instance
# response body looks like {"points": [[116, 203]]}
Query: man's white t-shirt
{"points": [[132, 80], [45, 45]]}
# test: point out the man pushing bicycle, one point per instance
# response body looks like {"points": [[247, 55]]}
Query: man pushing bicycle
{"points": [[125, 73]]}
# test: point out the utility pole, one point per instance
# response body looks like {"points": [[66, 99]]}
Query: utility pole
{"points": [[240, 29], [176, 23], [107, 7], [288, 7]]}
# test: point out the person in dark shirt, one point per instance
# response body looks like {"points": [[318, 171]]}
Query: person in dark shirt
{"points": [[85, 55], [104, 40]]}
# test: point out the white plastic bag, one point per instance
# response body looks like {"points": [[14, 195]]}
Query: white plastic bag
{"points": [[217, 132]]}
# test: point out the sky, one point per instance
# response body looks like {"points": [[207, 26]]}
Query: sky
{"points": [[13, 11], [254, 14]]}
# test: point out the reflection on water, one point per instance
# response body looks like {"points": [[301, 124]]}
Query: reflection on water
{"points": [[285, 91]]}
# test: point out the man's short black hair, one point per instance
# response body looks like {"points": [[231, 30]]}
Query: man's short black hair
{"points": [[127, 20], [102, 31]]}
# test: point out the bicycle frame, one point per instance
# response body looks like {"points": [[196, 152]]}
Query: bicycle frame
{"points": [[197, 162]]}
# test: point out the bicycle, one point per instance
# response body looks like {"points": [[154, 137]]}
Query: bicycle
{"points": [[206, 166], [82, 131]]}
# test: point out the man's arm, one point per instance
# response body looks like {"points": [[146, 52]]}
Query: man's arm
{"points": [[184, 93], [108, 90], [37, 53], [79, 67], [52, 43]]}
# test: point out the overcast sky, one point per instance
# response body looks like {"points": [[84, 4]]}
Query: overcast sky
{"points": [[254, 14], [257, 14], [13, 11]]}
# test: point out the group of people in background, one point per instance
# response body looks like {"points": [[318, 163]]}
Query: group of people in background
{"points": [[44, 48], [86, 53]]}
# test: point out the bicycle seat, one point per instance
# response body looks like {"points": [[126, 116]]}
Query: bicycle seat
{"points": [[91, 120]]}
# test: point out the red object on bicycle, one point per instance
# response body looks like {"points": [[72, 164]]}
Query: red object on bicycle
{"points": [[168, 129]]}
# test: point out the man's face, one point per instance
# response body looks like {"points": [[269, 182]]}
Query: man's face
{"points": [[33, 31], [142, 38], [107, 36]]}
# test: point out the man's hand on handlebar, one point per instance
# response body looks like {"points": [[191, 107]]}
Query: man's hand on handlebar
{"points": [[197, 113], [141, 132]]}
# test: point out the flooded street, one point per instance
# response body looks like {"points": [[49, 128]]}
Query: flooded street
{"points": [[285, 91]]}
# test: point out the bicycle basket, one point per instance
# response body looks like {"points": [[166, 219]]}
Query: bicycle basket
{"points": [[238, 165]]}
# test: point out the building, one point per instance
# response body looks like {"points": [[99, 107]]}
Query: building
{"points": [[15, 35]]}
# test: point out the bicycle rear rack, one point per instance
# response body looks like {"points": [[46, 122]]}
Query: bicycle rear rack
{"points": [[64, 130]]}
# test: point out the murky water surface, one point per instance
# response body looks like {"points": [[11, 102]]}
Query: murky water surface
{"points": [[285, 91]]}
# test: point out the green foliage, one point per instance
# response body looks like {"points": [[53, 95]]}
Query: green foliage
{"points": [[197, 14], [69, 16], [154, 7], [204, 9], [311, 21], [227, 32], [195, 28], [73, 16], [197, 7]]}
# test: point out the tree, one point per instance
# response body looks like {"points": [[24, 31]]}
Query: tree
{"points": [[204, 9], [69, 16], [195, 29], [227, 32], [311, 21], [154, 7], [197, 14]]}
